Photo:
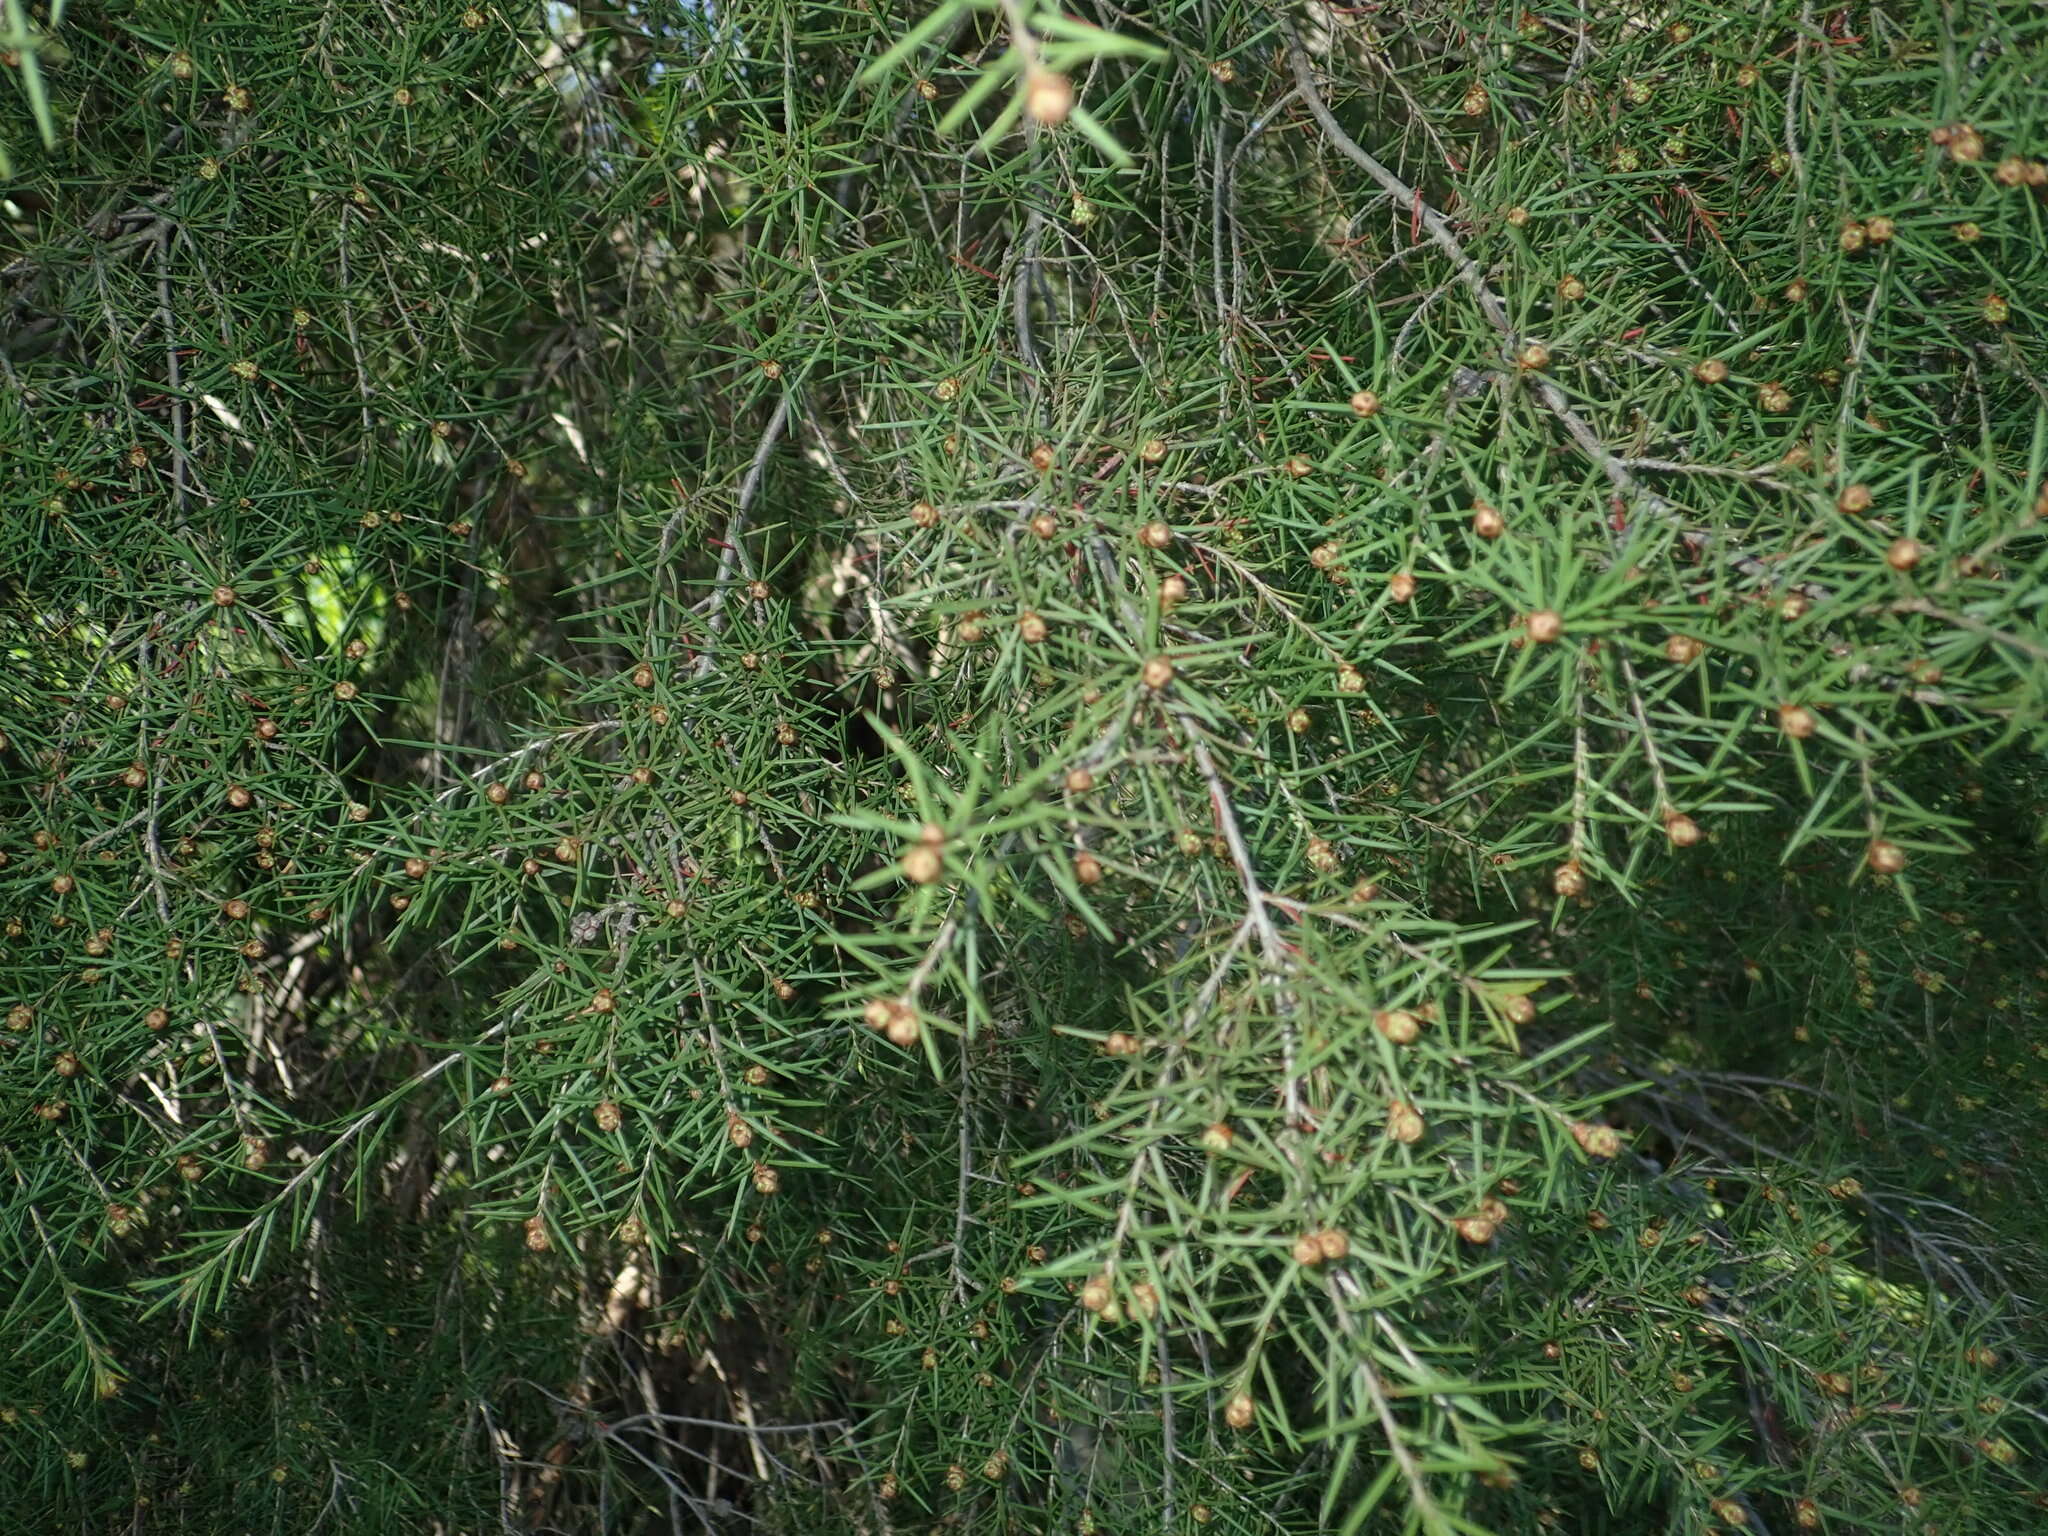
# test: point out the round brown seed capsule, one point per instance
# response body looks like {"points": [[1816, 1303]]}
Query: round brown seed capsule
{"points": [[1545, 626], [1155, 535], [1903, 554], [1853, 498], [1397, 1025], [1487, 521], [1048, 97], [1365, 404], [1404, 1124], [1885, 857], [1797, 721], [1596, 1140], [1710, 370]]}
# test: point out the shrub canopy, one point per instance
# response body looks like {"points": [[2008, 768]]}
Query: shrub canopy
{"points": [[890, 766]]}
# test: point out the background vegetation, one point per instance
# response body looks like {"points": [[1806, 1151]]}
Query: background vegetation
{"points": [[880, 767]]}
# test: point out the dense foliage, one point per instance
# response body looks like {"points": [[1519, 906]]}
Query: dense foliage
{"points": [[924, 765]]}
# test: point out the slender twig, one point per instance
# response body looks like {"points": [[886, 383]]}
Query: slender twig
{"points": [[348, 315], [1991, 632], [961, 1208], [1581, 775], [1366, 1374], [96, 1353], [173, 379], [511, 760], [318, 1164], [1268, 596], [1649, 740], [1023, 286], [1799, 46], [1764, 475], [1439, 230], [731, 558]]}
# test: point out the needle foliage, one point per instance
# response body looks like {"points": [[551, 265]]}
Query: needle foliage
{"points": [[888, 767]]}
